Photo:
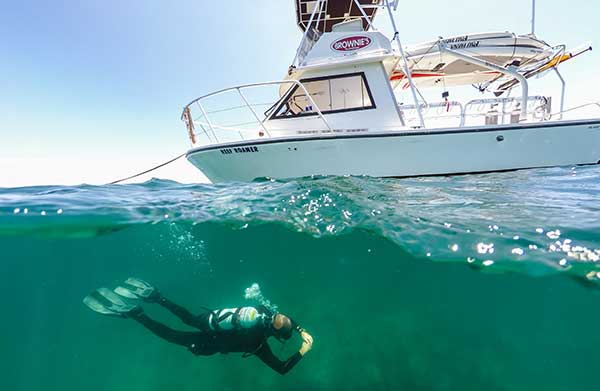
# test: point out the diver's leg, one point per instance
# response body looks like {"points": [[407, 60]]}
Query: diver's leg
{"points": [[183, 338], [135, 288], [198, 321]]}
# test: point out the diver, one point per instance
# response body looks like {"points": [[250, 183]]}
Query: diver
{"points": [[232, 330]]}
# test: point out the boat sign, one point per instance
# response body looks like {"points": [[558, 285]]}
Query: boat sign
{"points": [[350, 44]]}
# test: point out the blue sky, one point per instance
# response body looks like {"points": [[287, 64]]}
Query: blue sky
{"points": [[91, 91]]}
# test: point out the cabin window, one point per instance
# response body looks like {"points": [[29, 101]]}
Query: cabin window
{"points": [[332, 94]]}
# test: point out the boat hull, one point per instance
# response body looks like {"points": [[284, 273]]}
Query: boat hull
{"points": [[404, 153]]}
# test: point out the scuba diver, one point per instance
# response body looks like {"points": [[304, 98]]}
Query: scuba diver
{"points": [[231, 330]]}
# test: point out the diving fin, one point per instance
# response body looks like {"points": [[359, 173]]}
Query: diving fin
{"points": [[134, 288], [125, 293], [96, 306], [114, 299], [113, 304]]}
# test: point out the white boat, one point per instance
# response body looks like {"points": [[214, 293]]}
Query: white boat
{"points": [[336, 112]]}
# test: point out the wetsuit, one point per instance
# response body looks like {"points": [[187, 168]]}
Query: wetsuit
{"points": [[206, 342]]}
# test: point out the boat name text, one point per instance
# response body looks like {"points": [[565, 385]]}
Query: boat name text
{"points": [[350, 44], [229, 151]]}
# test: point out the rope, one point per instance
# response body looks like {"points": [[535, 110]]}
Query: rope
{"points": [[426, 53], [147, 171]]}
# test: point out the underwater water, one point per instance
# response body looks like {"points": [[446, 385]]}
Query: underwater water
{"points": [[482, 282]]}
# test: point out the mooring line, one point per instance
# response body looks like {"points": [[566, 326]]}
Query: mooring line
{"points": [[147, 171]]}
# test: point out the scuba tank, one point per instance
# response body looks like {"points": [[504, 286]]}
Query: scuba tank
{"points": [[235, 318]]}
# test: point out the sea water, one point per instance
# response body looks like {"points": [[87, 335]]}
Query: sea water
{"points": [[482, 282]]}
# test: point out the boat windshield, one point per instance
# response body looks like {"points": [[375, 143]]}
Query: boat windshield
{"points": [[333, 94]]}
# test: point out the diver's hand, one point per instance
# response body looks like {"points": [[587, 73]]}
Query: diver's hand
{"points": [[306, 337], [307, 344]]}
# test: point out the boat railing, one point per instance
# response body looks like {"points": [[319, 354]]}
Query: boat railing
{"points": [[243, 112], [560, 114], [311, 32], [493, 111], [502, 111], [445, 113]]}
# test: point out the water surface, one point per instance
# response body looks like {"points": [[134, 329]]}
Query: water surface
{"points": [[483, 282]]}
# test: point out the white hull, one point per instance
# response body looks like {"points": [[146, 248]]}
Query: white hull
{"points": [[404, 153]]}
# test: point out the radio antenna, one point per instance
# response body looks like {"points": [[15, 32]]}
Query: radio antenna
{"points": [[532, 17]]}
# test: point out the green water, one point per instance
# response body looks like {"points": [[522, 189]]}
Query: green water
{"points": [[399, 294]]}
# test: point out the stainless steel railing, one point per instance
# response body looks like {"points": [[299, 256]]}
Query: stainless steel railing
{"points": [[209, 127]]}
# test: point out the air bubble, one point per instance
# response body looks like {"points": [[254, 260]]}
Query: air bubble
{"points": [[563, 262], [484, 248], [518, 251]]}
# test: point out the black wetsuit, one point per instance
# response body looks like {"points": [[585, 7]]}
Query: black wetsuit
{"points": [[206, 342]]}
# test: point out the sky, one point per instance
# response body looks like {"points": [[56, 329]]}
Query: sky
{"points": [[92, 91]]}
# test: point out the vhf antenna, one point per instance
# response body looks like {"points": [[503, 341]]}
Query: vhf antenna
{"points": [[533, 17]]}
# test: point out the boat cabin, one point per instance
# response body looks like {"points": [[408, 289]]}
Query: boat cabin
{"points": [[347, 76]]}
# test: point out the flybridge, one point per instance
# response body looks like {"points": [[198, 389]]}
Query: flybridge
{"points": [[327, 13]]}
